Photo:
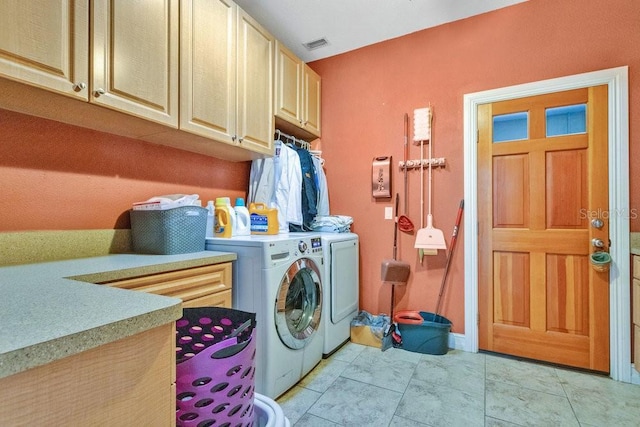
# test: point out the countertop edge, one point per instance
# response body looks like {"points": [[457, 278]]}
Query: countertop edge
{"points": [[64, 332], [22, 359], [128, 273]]}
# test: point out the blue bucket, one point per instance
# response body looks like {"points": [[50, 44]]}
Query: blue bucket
{"points": [[423, 332]]}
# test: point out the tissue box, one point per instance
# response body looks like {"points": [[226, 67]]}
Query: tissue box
{"points": [[167, 232]]}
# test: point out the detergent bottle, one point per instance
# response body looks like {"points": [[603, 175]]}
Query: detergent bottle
{"points": [[243, 218], [223, 219], [211, 210], [264, 220], [232, 212]]}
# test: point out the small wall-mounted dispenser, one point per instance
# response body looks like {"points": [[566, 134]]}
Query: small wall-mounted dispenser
{"points": [[381, 177]]}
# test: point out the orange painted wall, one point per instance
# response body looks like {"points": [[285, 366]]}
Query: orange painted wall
{"points": [[54, 176], [366, 93]]}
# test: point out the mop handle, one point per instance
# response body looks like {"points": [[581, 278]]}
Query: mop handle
{"points": [[449, 255], [430, 187], [421, 184]]}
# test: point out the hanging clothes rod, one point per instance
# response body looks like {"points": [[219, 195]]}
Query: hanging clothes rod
{"points": [[290, 138]]}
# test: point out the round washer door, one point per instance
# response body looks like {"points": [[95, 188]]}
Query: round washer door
{"points": [[299, 304]]}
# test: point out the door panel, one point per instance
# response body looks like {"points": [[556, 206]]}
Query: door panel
{"points": [[567, 189], [512, 288], [511, 200], [539, 297]]}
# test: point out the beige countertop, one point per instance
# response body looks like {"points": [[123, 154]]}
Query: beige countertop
{"points": [[53, 310]]}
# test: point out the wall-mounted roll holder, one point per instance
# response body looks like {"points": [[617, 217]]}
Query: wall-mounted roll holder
{"points": [[436, 162]]}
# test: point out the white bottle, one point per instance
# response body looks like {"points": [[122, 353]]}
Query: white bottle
{"points": [[243, 219], [210, 213], [232, 212]]}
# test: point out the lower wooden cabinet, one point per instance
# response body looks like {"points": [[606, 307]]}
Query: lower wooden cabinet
{"points": [[111, 385], [205, 286]]}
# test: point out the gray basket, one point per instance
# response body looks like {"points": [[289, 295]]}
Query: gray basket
{"points": [[173, 231]]}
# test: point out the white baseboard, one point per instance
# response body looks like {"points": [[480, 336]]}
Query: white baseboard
{"points": [[635, 375], [457, 341]]}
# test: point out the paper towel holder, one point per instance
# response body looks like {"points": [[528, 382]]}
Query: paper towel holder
{"points": [[381, 177]]}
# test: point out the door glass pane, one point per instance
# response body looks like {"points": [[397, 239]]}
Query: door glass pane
{"points": [[568, 120], [511, 127]]}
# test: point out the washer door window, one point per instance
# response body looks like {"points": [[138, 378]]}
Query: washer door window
{"points": [[299, 304]]}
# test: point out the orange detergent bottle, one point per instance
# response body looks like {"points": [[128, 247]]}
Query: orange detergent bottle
{"points": [[264, 220]]}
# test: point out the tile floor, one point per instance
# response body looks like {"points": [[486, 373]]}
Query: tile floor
{"points": [[363, 386]]}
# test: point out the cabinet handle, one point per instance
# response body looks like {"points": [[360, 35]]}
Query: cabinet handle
{"points": [[234, 137], [240, 140], [99, 92], [79, 86]]}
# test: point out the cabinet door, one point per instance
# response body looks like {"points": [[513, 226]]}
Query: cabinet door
{"points": [[254, 85], [210, 283], [208, 68], [288, 85], [135, 58], [220, 299], [126, 382], [45, 43], [311, 103]]}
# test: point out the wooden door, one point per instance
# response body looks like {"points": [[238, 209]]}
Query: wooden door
{"points": [[311, 93], [135, 58], [46, 43], [208, 68], [255, 85], [539, 296], [288, 72]]}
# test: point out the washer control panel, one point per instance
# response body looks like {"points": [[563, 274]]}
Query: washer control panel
{"points": [[312, 245], [316, 245]]}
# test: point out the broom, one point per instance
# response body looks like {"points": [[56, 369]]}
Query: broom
{"points": [[429, 239]]}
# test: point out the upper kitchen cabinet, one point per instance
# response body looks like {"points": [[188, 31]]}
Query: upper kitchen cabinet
{"points": [[297, 94], [45, 43], [226, 75], [311, 89], [135, 58]]}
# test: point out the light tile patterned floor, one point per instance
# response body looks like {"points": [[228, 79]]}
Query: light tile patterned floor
{"points": [[364, 386]]}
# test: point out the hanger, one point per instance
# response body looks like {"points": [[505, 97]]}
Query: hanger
{"points": [[290, 139]]}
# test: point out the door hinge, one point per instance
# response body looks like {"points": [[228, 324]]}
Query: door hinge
{"points": [[477, 136], [478, 318]]}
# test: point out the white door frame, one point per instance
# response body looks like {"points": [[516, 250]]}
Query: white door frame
{"points": [[618, 117]]}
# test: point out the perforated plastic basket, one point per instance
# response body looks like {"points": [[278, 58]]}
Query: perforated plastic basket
{"points": [[215, 372], [179, 230]]}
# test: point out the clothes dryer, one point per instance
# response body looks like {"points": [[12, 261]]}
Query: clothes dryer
{"points": [[341, 288], [279, 277]]}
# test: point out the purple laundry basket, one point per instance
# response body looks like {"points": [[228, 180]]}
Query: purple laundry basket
{"points": [[215, 371]]}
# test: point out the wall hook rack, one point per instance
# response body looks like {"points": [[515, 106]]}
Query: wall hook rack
{"points": [[436, 162]]}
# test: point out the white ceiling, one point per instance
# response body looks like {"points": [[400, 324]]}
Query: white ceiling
{"points": [[351, 24]]}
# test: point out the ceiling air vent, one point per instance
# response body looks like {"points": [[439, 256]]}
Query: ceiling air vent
{"points": [[316, 44]]}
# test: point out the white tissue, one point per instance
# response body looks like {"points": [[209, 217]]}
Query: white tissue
{"points": [[168, 201], [422, 124]]}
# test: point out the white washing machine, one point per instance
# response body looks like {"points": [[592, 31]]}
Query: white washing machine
{"points": [[341, 288], [279, 277]]}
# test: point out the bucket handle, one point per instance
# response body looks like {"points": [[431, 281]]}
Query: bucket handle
{"points": [[408, 317]]}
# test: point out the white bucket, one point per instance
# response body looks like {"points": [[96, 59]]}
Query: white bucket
{"points": [[268, 413]]}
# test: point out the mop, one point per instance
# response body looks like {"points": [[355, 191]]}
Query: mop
{"points": [[429, 239]]}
